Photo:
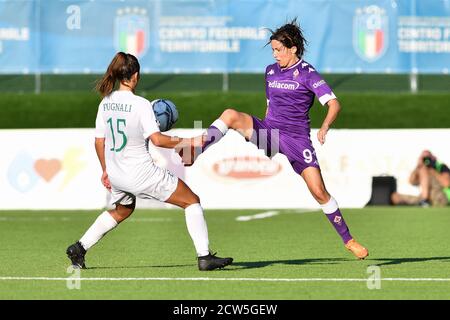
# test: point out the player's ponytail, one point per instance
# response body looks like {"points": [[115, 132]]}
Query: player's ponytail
{"points": [[122, 67]]}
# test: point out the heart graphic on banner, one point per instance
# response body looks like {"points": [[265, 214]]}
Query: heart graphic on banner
{"points": [[47, 169]]}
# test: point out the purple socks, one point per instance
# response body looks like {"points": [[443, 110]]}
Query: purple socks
{"points": [[214, 133], [333, 214], [339, 224]]}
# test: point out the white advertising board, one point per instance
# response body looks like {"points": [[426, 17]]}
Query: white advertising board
{"points": [[50, 169], [235, 174], [58, 169]]}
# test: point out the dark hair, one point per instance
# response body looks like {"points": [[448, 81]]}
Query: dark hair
{"points": [[122, 67], [290, 35]]}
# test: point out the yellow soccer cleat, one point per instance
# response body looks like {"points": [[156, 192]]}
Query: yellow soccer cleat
{"points": [[358, 250]]}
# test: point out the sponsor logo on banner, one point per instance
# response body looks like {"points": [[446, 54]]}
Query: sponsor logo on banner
{"points": [[246, 167], [24, 172], [370, 31], [131, 31]]}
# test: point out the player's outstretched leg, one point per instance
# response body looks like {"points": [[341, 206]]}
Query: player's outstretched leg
{"points": [[239, 121], [197, 228], [105, 222], [230, 118], [216, 131], [213, 134]]}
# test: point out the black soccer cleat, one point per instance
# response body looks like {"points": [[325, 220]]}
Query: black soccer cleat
{"points": [[211, 262], [76, 253]]}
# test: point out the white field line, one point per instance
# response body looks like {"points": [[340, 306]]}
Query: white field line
{"points": [[269, 214], [261, 215], [228, 279], [68, 219]]}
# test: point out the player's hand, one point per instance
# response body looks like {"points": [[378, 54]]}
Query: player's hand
{"points": [[105, 181], [184, 145], [187, 155], [190, 152], [198, 141], [321, 134]]}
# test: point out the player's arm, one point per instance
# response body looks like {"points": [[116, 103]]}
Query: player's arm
{"points": [[185, 147], [334, 108], [170, 142], [100, 150], [100, 147], [267, 92], [316, 84]]}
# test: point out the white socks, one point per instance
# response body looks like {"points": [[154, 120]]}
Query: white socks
{"points": [[104, 223], [330, 207], [219, 124], [196, 225], [195, 222]]}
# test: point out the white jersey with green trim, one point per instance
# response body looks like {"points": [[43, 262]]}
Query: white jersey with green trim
{"points": [[126, 120]]}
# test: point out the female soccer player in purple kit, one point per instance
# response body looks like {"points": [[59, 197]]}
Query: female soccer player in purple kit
{"points": [[291, 84]]}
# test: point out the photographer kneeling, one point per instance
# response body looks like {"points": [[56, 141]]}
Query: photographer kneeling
{"points": [[433, 178]]}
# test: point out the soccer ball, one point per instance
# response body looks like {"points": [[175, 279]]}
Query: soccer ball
{"points": [[166, 113]]}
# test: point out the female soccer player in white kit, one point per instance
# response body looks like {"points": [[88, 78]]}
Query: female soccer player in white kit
{"points": [[124, 122]]}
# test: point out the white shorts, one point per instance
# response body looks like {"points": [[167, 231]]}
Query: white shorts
{"points": [[160, 186]]}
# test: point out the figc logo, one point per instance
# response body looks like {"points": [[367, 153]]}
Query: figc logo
{"points": [[370, 31], [131, 29]]}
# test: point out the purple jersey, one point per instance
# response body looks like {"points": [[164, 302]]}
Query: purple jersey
{"points": [[290, 94]]}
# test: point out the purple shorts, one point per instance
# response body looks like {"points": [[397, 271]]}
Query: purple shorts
{"points": [[296, 147]]}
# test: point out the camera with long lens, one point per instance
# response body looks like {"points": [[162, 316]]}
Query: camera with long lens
{"points": [[429, 162]]}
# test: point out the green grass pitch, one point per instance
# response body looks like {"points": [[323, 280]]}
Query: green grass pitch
{"points": [[150, 256]]}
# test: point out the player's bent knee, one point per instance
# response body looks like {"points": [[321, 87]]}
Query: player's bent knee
{"points": [[321, 195], [129, 208], [188, 200], [230, 116], [124, 211], [193, 199]]}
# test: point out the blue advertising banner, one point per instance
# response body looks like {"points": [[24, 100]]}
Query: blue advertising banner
{"points": [[18, 37], [195, 36]]}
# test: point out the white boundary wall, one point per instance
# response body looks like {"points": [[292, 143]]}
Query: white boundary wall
{"points": [[58, 169]]}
